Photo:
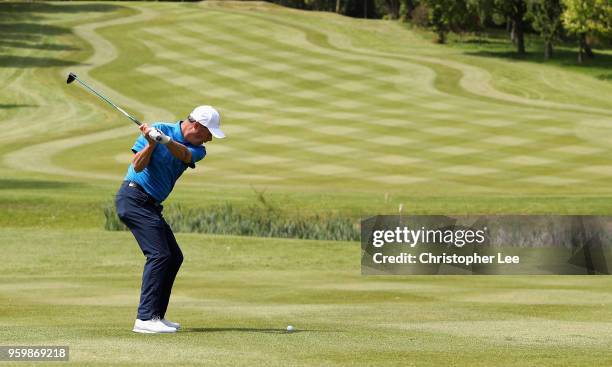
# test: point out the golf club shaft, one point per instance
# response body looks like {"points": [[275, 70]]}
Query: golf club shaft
{"points": [[108, 101]]}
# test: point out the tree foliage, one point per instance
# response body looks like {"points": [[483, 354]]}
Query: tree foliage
{"points": [[514, 11], [546, 16], [447, 15], [587, 17], [586, 20]]}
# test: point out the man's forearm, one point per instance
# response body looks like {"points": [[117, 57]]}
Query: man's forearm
{"points": [[142, 158], [179, 151]]}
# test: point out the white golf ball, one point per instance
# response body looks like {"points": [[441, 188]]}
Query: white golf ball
{"points": [[290, 328]]}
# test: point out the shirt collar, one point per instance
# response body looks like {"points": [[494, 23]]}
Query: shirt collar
{"points": [[180, 132]]}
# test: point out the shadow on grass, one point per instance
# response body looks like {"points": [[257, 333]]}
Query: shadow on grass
{"points": [[33, 62], [564, 57], [482, 41], [17, 36], [50, 47], [22, 27], [7, 106], [29, 10], [11, 184], [253, 330], [29, 31]]}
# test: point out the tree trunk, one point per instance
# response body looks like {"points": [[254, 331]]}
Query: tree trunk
{"points": [[441, 37], [365, 9], [410, 5], [395, 11], [548, 50], [587, 48], [581, 43], [520, 35], [519, 9], [338, 6], [513, 32], [584, 49]]}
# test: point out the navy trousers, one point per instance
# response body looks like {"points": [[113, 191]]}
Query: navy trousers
{"points": [[143, 216]]}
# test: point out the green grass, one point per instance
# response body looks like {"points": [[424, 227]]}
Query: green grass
{"points": [[313, 103], [327, 114], [259, 220], [495, 43], [235, 296]]}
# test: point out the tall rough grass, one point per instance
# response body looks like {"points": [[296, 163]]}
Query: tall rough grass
{"points": [[260, 220]]}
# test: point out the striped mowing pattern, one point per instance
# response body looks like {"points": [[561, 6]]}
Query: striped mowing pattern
{"points": [[306, 104]]}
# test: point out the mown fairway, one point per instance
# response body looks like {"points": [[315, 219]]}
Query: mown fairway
{"points": [[310, 101], [326, 113], [236, 295]]}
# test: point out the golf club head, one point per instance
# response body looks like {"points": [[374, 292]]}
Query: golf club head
{"points": [[71, 78]]}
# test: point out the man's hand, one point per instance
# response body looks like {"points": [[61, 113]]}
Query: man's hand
{"points": [[145, 129], [159, 136], [143, 157], [154, 135]]}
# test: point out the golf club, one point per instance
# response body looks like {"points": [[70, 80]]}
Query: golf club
{"points": [[72, 77]]}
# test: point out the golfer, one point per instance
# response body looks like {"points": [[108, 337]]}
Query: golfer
{"points": [[162, 153]]}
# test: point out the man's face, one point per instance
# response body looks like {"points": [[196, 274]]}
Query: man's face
{"points": [[196, 134]]}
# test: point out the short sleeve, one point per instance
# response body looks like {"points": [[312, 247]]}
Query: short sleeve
{"points": [[140, 143], [197, 154]]}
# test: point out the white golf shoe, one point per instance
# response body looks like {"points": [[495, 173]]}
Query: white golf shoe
{"points": [[153, 326], [169, 323]]}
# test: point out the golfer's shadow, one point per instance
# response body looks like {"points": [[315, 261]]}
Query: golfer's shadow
{"points": [[245, 330]]}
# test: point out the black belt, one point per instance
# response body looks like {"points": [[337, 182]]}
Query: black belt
{"points": [[141, 189]]}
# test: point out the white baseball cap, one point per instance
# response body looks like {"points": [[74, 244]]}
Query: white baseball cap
{"points": [[209, 117]]}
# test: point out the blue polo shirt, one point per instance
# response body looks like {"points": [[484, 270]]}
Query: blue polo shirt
{"points": [[160, 175]]}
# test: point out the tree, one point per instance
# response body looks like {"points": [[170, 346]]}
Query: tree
{"points": [[391, 8], [406, 8], [321, 5], [546, 16], [445, 15], [359, 8], [419, 16], [587, 17], [514, 10], [482, 10]]}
